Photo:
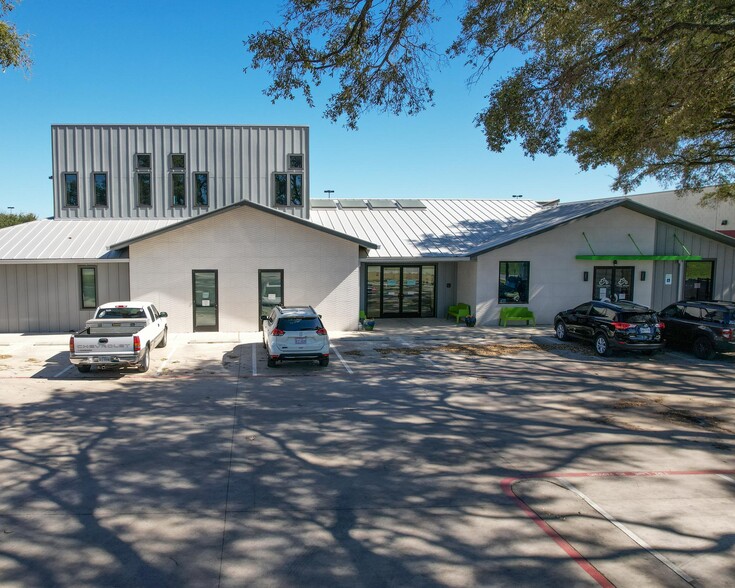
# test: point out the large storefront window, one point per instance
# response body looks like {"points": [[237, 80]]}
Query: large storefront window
{"points": [[401, 291], [698, 279], [513, 287]]}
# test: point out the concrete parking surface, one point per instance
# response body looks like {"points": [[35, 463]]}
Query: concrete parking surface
{"points": [[425, 454]]}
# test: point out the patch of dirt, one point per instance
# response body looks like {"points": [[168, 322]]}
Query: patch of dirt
{"points": [[353, 352], [655, 407], [401, 350], [32, 360], [489, 349], [4, 356], [687, 417]]}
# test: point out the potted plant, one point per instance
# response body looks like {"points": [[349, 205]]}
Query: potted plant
{"points": [[368, 324], [470, 320]]}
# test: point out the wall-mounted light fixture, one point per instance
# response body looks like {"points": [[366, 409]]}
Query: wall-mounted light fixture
{"points": [[615, 262], [449, 285], [643, 276], [724, 222], [586, 276]]}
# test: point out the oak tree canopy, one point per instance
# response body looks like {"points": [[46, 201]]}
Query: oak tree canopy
{"points": [[646, 86]]}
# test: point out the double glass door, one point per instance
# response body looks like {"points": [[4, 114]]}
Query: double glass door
{"points": [[401, 291], [613, 283]]}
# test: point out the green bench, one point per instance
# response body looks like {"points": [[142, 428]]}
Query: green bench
{"points": [[516, 313], [459, 311]]}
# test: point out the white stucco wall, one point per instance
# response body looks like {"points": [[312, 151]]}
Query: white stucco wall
{"points": [[467, 284], [556, 277], [319, 269]]}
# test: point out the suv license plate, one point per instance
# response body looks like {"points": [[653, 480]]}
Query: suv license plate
{"points": [[300, 341], [644, 330]]}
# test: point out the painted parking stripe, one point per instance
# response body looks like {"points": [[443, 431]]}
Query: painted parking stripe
{"points": [[62, 372], [728, 478], [255, 359], [168, 357], [344, 363], [407, 344], [659, 556], [507, 487]]}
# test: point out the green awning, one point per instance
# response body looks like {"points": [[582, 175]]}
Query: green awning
{"points": [[642, 257]]}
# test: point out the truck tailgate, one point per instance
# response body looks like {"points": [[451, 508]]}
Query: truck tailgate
{"points": [[102, 345]]}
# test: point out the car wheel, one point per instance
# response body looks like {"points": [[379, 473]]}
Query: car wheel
{"points": [[561, 331], [602, 345], [84, 368], [271, 362], [145, 362], [703, 349], [324, 362], [164, 339]]}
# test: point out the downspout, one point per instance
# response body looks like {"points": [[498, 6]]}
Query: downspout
{"points": [[680, 286]]}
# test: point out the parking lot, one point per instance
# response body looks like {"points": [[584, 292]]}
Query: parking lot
{"points": [[425, 454]]}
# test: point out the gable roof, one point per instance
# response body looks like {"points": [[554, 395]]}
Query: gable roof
{"points": [[247, 204]]}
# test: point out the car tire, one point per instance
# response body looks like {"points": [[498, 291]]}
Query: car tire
{"points": [[145, 362], [703, 348], [324, 362], [271, 362], [164, 339], [85, 369], [602, 345], [561, 331]]}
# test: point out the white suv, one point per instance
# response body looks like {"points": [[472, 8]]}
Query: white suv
{"points": [[295, 333]]}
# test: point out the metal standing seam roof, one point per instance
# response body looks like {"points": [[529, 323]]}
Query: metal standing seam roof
{"points": [[444, 228], [82, 239]]}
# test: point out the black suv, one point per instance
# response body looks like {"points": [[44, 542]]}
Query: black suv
{"points": [[611, 325], [703, 326]]}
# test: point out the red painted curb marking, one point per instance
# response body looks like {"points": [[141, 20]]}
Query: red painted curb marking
{"points": [[507, 486]]}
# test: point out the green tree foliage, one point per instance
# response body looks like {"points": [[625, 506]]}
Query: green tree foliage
{"points": [[8, 220], [647, 86], [13, 45]]}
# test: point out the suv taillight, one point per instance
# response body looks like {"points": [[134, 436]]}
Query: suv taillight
{"points": [[321, 331], [727, 334], [71, 344], [621, 326], [136, 343], [661, 325], [277, 332]]}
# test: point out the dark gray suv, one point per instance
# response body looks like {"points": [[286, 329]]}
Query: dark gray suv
{"points": [[705, 327]]}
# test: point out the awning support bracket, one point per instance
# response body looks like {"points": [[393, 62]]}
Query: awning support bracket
{"points": [[588, 243], [682, 245], [636, 244]]}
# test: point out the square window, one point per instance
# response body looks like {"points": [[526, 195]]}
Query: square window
{"points": [[281, 187], [513, 286], [100, 189], [178, 189], [88, 286], [144, 190], [143, 161], [295, 161], [178, 161], [201, 189], [71, 189]]}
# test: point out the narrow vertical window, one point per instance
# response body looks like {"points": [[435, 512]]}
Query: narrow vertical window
{"points": [[71, 190], [144, 189], [100, 189], [201, 189], [143, 161], [297, 181], [88, 283], [178, 189], [281, 189]]}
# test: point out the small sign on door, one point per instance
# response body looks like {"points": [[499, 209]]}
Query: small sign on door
{"points": [[668, 279]]}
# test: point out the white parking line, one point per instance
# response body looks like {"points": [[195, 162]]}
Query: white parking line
{"points": [[344, 363], [728, 478], [168, 358], [62, 372], [407, 344], [255, 360], [660, 557]]}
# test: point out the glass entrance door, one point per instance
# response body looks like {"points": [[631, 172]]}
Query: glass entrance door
{"points": [[270, 292], [613, 283], [401, 291], [204, 287], [698, 280]]}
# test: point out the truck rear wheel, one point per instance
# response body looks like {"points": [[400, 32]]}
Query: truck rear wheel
{"points": [[145, 361], [84, 368]]}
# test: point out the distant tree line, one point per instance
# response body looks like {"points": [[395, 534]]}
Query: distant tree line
{"points": [[8, 219]]}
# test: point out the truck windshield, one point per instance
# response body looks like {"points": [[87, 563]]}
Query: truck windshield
{"points": [[120, 313]]}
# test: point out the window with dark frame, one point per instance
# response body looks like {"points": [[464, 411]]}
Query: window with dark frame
{"points": [[178, 161], [295, 161], [513, 283], [288, 189], [144, 189], [201, 189], [100, 189], [178, 189], [71, 189], [142, 161], [88, 286]]}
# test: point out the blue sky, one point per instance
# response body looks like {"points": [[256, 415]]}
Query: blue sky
{"points": [[156, 61]]}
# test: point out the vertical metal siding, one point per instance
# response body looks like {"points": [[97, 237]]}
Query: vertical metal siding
{"points": [[46, 297], [240, 162]]}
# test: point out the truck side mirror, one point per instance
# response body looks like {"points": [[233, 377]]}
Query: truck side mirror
{"points": [[263, 318], [163, 314]]}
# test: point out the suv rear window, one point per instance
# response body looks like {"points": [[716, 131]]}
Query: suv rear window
{"points": [[638, 317], [298, 323]]}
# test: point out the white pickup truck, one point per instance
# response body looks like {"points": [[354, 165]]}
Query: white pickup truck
{"points": [[121, 334]]}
